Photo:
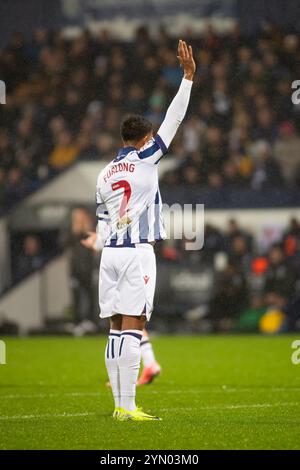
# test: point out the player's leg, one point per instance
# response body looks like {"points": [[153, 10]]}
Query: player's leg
{"points": [[111, 357], [129, 358], [107, 292], [141, 287], [151, 367], [129, 364]]}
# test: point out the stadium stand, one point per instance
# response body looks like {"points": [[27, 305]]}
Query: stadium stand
{"points": [[65, 99], [239, 143]]}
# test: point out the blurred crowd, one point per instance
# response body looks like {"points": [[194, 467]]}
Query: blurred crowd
{"points": [[256, 280], [65, 100]]}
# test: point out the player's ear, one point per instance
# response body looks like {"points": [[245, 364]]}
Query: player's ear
{"points": [[147, 138], [142, 142]]}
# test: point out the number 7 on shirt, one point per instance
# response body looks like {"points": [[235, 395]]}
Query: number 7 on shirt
{"points": [[127, 194]]}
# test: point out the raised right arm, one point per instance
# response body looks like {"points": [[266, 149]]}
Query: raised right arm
{"points": [[157, 147]]}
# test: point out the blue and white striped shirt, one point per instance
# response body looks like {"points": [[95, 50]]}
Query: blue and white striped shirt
{"points": [[129, 205], [128, 196]]}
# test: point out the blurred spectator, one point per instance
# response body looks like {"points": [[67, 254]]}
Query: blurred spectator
{"points": [[2, 184], [65, 152], [280, 276], [267, 172], [287, 153], [239, 254], [214, 242], [104, 146], [291, 239], [249, 318], [15, 186], [266, 125], [6, 150], [30, 259], [87, 150], [214, 151], [233, 231], [231, 295], [81, 266]]}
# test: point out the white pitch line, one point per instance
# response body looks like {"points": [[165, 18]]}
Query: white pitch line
{"points": [[226, 390], [234, 407], [202, 408], [49, 395], [58, 415], [223, 389]]}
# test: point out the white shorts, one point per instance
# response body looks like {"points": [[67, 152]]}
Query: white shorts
{"points": [[127, 281]]}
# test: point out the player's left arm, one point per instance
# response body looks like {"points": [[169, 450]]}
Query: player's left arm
{"points": [[155, 149], [96, 240], [90, 242]]}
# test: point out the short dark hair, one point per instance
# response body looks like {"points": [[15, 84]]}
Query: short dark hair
{"points": [[135, 127]]}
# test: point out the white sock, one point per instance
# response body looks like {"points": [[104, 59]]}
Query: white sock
{"points": [[129, 364], [148, 357], [111, 361]]}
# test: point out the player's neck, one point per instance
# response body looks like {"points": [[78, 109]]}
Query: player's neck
{"points": [[131, 144], [137, 145]]}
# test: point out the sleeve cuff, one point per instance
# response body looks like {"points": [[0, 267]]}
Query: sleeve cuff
{"points": [[161, 144], [186, 83]]}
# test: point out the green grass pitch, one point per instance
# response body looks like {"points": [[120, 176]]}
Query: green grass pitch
{"points": [[216, 392]]}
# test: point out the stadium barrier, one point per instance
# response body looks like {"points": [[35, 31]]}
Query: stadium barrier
{"points": [[43, 295]]}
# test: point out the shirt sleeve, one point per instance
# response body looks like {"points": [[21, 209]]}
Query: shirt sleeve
{"points": [[102, 212], [103, 226], [103, 232], [153, 151], [175, 114], [99, 199]]}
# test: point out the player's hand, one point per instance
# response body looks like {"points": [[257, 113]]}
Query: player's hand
{"points": [[186, 59], [90, 241]]}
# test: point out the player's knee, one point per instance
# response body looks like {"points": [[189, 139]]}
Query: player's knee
{"points": [[116, 322], [130, 322]]}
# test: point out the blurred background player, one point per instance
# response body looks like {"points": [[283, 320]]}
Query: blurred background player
{"points": [[81, 272], [151, 368]]}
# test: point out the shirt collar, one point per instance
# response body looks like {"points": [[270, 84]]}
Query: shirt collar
{"points": [[125, 150]]}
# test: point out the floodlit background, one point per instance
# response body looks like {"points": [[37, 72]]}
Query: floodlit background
{"points": [[72, 69]]}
